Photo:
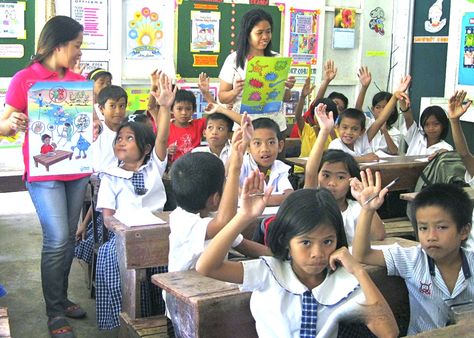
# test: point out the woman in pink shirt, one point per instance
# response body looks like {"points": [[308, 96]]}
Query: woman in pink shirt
{"points": [[57, 199]]}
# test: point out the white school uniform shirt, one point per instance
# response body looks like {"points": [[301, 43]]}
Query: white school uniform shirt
{"points": [[426, 288], [230, 73], [223, 156], [361, 146], [116, 189], [278, 174], [379, 143], [470, 240], [103, 156], [349, 216], [97, 110], [277, 295], [417, 144]]}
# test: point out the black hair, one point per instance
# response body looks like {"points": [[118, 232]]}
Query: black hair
{"points": [[112, 92], [386, 96], [337, 155], [340, 96], [98, 73], [440, 115], [267, 123], [144, 134], [194, 178], [449, 197], [58, 31], [248, 22], [330, 106], [303, 211], [44, 137], [353, 113], [184, 96], [221, 117]]}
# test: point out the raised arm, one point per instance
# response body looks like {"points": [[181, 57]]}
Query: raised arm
{"points": [[329, 73], [457, 106], [165, 99], [405, 107], [214, 107], [305, 91], [365, 78], [152, 105], [203, 84], [326, 124], [289, 84]]}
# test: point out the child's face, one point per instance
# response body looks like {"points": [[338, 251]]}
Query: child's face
{"points": [[183, 111], [340, 105], [335, 177], [216, 133], [433, 129], [47, 140], [438, 233], [265, 147], [126, 148], [377, 109], [310, 254], [349, 130], [101, 83], [114, 111]]}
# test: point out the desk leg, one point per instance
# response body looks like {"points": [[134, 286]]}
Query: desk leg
{"points": [[47, 167]]}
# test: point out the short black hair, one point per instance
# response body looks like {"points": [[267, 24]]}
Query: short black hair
{"points": [[303, 211], [184, 96], [194, 178], [353, 113], [386, 96], [44, 137], [221, 117], [449, 197], [98, 73], [112, 92], [440, 115], [340, 96], [330, 106], [144, 134], [267, 123]]}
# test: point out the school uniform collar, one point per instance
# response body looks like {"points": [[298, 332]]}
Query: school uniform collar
{"points": [[464, 265], [277, 166], [340, 282], [44, 73], [122, 173]]}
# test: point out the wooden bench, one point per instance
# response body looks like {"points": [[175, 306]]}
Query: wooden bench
{"points": [[399, 227], [4, 324], [11, 181], [150, 327]]}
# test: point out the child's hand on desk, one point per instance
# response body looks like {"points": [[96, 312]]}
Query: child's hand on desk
{"points": [[370, 157], [457, 104], [253, 199], [372, 195]]}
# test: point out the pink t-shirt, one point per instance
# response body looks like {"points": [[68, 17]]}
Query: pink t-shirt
{"points": [[187, 138], [17, 97]]}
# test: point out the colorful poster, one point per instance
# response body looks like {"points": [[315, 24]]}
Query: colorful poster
{"points": [[265, 84], [146, 37], [466, 62], [91, 65], [344, 28], [93, 15], [201, 103], [12, 16], [60, 128], [304, 35], [137, 98], [205, 31]]}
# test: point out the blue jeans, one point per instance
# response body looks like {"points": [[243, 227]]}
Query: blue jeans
{"points": [[58, 205]]}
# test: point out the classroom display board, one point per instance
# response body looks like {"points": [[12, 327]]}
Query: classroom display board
{"points": [[207, 34], [17, 35]]}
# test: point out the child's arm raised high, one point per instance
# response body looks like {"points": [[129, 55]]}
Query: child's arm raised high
{"points": [[214, 107], [329, 73], [203, 84], [305, 91], [365, 78]]}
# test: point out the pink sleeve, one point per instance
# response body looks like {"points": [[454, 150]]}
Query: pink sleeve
{"points": [[17, 92]]}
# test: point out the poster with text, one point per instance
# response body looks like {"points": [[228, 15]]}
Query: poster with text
{"points": [[205, 31], [265, 84], [60, 128], [304, 35], [93, 15], [466, 62], [89, 66], [12, 15], [343, 35]]}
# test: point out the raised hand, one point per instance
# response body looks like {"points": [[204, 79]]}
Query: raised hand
{"points": [[212, 108], [307, 88], [371, 188], [325, 120], [247, 128], [203, 82], [457, 104], [253, 198], [403, 98], [404, 83], [155, 77], [290, 82], [365, 77], [78, 68], [166, 94], [356, 188], [330, 71]]}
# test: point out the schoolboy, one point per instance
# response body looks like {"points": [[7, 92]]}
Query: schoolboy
{"points": [[436, 270], [217, 133], [267, 142], [102, 79], [198, 180]]}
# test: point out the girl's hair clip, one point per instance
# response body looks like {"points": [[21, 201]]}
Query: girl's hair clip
{"points": [[131, 118]]}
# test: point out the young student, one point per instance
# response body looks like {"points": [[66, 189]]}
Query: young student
{"points": [[311, 279], [102, 79], [198, 183], [135, 184], [47, 146], [334, 170], [267, 142], [217, 133], [439, 268]]}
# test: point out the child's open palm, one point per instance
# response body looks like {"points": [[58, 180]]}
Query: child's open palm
{"points": [[307, 88], [404, 83], [203, 82], [365, 77], [253, 199], [325, 120], [371, 188], [456, 104], [330, 70], [166, 92]]}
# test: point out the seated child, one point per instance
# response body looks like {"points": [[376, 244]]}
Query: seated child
{"points": [[311, 282], [102, 79], [262, 154], [217, 133], [439, 268]]}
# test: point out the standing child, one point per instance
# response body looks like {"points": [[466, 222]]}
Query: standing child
{"points": [[311, 279], [334, 170], [438, 269], [262, 154], [134, 185]]}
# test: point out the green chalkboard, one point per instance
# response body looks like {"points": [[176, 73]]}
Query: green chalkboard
{"points": [[9, 66], [230, 16]]}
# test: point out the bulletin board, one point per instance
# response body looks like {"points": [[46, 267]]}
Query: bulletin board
{"points": [[190, 63], [10, 65]]}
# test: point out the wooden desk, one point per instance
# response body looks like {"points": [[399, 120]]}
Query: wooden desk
{"points": [[51, 158], [410, 196]]}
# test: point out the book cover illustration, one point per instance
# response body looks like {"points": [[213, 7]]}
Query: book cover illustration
{"points": [[60, 128]]}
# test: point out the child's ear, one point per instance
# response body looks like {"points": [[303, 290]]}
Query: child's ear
{"points": [[281, 145], [465, 231], [213, 201], [148, 149]]}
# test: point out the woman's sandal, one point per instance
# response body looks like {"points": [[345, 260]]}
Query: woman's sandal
{"points": [[59, 328], [74, 311]]}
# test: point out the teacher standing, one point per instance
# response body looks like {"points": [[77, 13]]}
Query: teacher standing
{"points": [[57, 199], [255, 39]]}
